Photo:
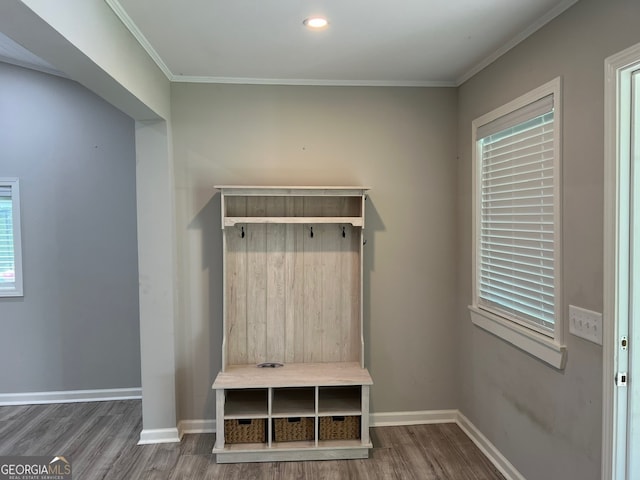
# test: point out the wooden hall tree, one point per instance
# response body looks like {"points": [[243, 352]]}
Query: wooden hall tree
{"points": [[293, 302]]}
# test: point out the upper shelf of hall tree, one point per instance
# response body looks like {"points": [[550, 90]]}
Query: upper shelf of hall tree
{"points": [[281, 204]]}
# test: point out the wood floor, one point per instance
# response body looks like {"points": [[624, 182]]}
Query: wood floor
{"points": [[101, 440]]}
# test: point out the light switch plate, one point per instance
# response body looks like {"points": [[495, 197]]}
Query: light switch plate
{"points": [[586, 324]]}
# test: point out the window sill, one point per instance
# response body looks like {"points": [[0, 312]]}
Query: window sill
{"points": [[536, 344], [11, 293]]}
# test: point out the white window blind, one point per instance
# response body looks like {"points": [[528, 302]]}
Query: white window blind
{"points": [[10, 254], [516, 270]]}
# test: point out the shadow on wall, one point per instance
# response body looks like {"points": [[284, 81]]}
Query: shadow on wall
{"points": [[208, 345], [373, 224]]}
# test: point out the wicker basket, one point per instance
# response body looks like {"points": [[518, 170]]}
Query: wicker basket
{"points": [[251, 430], [293, 429], [340, 428]]}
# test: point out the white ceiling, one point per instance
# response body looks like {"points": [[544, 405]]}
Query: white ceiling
{"points": [[368, 42]]}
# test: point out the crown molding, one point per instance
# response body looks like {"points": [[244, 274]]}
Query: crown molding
{"points": [[128, 22], [530, 30], [309, 81], [139, 36], [121, 13]]}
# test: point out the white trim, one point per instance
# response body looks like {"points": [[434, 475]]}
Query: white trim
{"points": [[196, 426], [310, 81], [139, 36], [390, 419], [537, 344], [552, 87], [548, 349], [121, 13], [530, 30], [615, 68], [159, 435], [383, 419], [424, 417], [489, 449], [128, 22], [13, 183], [70, 396]]}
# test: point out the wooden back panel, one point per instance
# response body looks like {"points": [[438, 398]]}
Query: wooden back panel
{"points": [[289, 296]]}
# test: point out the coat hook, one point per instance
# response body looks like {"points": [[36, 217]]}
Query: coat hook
{"points": [[242, 234], [344, 234], [311, 232]]}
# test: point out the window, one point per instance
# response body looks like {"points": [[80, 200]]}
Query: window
{"points": [[10, 251], [516, 292]]}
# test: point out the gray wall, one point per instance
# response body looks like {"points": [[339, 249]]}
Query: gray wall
{"points": [[401, 142], [77, 325], [546, 422]]}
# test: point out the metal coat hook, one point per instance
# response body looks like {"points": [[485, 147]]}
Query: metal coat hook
{"points": [[311, 232], [344, 234], [242, 234]]}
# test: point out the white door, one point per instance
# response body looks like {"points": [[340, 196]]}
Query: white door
{"points": [[633, 328], [621, 347], [626, 463]]}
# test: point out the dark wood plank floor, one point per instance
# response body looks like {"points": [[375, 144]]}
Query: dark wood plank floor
{"points": [[101, 440]]}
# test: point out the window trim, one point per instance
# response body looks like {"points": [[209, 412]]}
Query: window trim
{"points": [[548, 347], [14, 185]]}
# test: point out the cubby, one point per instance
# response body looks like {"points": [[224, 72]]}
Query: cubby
{"points": [[293, 402], [340, 401], [247, 403], [293, 300]]}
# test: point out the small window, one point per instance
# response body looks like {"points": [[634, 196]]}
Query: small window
{"points": [[517, 223], [10, 251]]}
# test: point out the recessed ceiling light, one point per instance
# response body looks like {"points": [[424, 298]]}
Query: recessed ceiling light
{"points": [[315, 23]]}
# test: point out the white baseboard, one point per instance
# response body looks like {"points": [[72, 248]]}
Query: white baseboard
{"points": [[375, 420], [390, 419], [159, 435], [70, 396], [196, 426], [171, 435], [489, 449]]}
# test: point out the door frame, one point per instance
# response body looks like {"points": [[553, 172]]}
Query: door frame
{"points": [[618, 71]]}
